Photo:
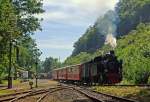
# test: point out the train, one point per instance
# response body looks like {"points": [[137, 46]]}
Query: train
{"points": [[106, 69]]}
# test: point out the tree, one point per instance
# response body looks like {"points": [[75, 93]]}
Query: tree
{"points": [[26, 11], [89, 42], [9, 31], [78, 59], [28, 54], [134, 49], [131, 13], [18, 22], [50, 63], [28, 23]]}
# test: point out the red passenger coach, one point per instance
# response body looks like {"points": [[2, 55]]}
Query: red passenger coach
{"points": [[55, 74], [62, 74], [74, 72]]}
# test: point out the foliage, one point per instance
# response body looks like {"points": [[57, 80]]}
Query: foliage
{"points": [[49, 64], [149, 80], [134, 49], [8, 20], [26, 11], [89, 42], [28, 54], [80, 58], [8, 31], [17, 23], [131, 13]]}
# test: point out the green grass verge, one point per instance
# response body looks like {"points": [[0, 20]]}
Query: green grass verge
{"points": [[136, 93]]}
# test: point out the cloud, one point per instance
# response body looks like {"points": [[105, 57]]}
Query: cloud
{"points": [[65, 18], [55, 44], [54, 15], [75, 12], [82, 4]]}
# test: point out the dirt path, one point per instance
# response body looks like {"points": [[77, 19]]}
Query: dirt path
{"points": [[66, 95]]}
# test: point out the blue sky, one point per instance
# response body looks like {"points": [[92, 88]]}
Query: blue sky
{"points": [[65, 21]]}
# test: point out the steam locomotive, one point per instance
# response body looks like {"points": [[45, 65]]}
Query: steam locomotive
{"points": [[101, 70]]}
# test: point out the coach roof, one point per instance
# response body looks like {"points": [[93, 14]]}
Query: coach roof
{"points": [[66, 67]]}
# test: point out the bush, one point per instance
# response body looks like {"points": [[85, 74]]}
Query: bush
{"points": [[149, 80], [134, 49]]}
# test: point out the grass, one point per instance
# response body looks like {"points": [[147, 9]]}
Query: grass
{"points": [[136, 93], [17, 86], [4, 90], [118, 91], [15, 82]]}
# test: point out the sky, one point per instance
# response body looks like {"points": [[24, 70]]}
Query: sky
{"points": [[65, 21]]}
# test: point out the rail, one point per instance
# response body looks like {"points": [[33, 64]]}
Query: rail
{"points": [[100, 97], [21, 95]]}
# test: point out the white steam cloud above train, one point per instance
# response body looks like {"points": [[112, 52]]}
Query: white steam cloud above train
{"points": [[111, 40]]}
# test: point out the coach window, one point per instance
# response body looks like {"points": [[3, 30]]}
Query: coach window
{"points": [[76, 69], [70, 69]]}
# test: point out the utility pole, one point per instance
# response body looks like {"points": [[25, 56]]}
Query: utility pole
{"points": [[36, 85], [37, 53], [59, 62], [10, 65], [36, 65], [17, 58]]}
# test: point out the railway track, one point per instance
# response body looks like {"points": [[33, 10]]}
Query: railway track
{"points": [[22, 95], [40, 94], [138, 85], [12, 96], [46, 94], [100, 97]]}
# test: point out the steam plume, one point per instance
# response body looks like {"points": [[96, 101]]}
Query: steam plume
{"points": [[111, 40]]}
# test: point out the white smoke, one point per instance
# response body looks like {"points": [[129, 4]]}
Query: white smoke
{"points": [[111, 40]]}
